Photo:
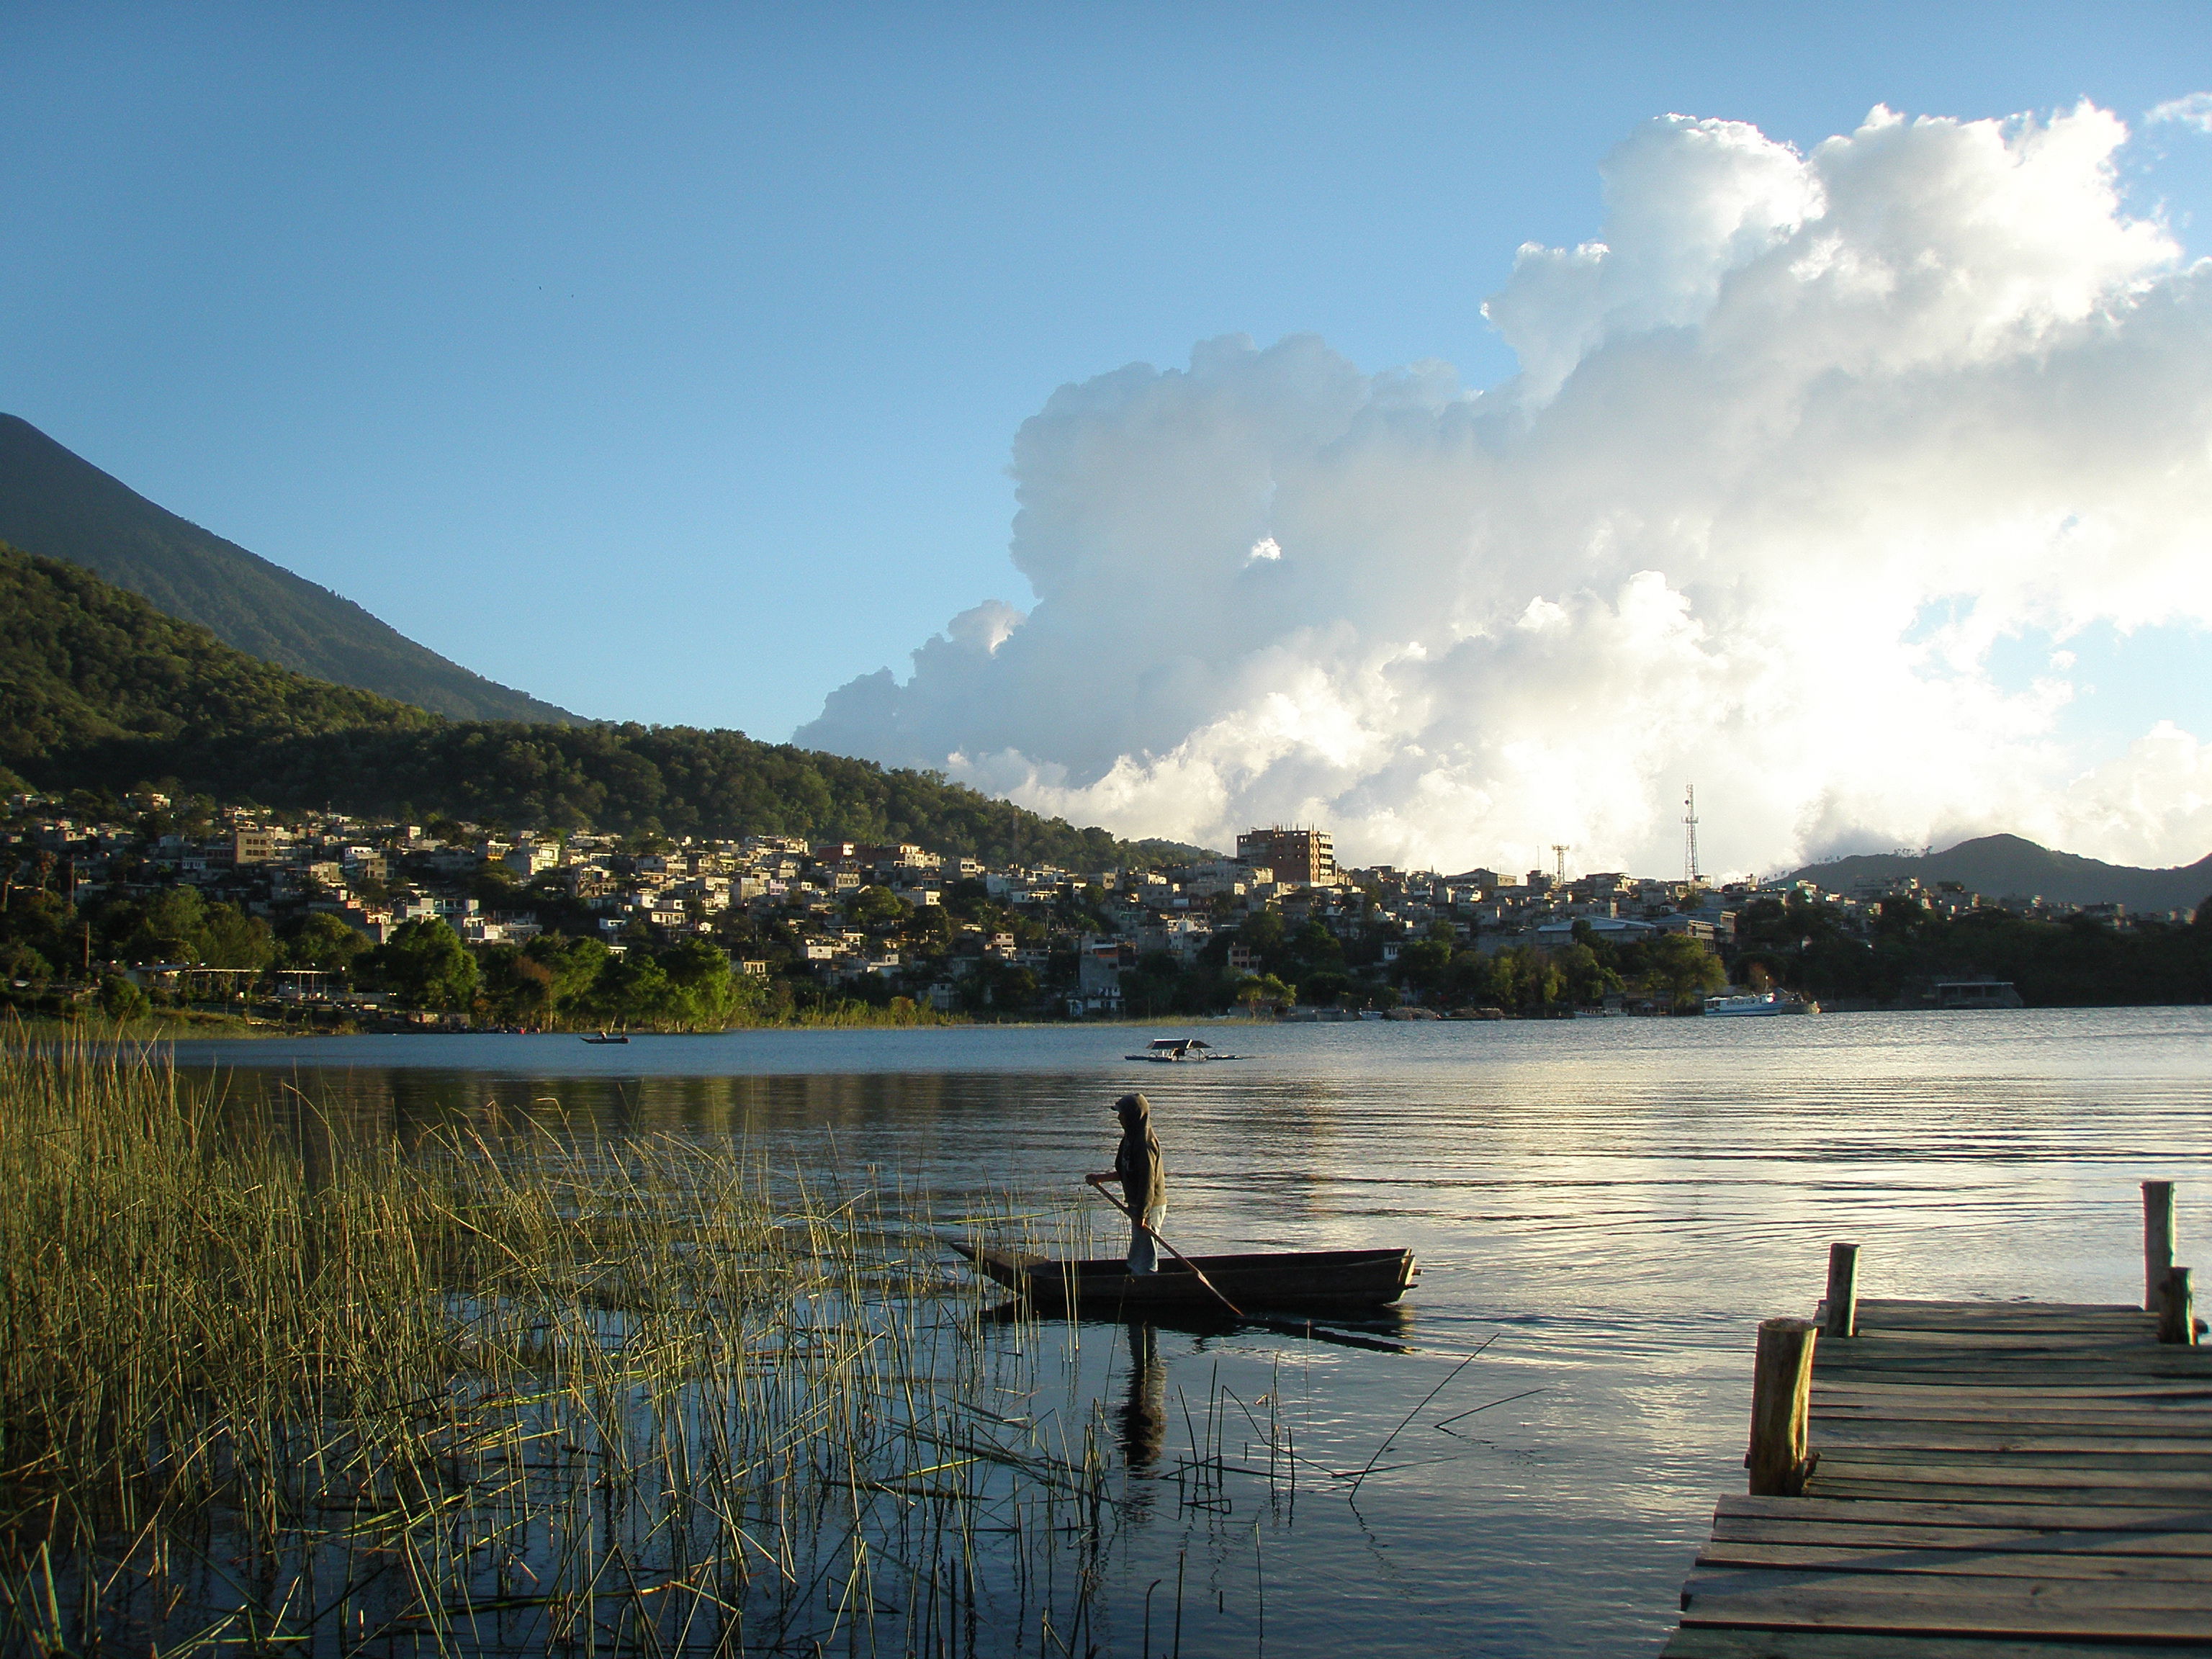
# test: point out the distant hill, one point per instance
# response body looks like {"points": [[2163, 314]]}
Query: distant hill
{"points": [[57, 504], [2006, 866], [101, 691]]}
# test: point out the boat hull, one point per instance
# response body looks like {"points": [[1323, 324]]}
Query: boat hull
{"points": [[1302, 1282]]}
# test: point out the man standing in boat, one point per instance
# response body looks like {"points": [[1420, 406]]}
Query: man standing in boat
{"points": [[1144, 1180]]}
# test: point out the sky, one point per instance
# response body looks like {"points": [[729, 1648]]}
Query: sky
{"points": [[682, 364]]}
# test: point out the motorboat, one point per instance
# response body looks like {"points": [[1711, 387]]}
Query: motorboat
{"points": [[1756, 1003]]}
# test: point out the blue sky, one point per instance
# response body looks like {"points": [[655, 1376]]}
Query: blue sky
{"points": [[664, 360]]}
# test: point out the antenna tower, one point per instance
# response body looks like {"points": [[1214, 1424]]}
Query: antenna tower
{"points": [[1559, 856], [1690, 834]]}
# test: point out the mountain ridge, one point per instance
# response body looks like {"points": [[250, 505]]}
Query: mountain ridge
{"points": [[55, 503], [2013, 867]]}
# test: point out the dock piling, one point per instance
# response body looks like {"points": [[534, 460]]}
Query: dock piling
{"points": [[2176, 1309], [2158, 1240], [1843, 1300], [1781, 1398]]}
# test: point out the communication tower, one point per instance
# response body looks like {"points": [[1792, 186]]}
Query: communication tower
{"points": [[1690, 834], [1559, 855]]}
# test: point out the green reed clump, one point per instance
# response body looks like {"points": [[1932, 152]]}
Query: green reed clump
{"points": [[261, 1382]]}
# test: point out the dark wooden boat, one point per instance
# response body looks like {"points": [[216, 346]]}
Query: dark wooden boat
{"points": [[605, 1037], [1285, 1281]]}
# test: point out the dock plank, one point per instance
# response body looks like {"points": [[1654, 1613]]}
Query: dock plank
{"points": [[1960, 1564], [1995, 1480], [2022, 1540], [1931, 1605], [1719, 1642], [2153, 1517]]}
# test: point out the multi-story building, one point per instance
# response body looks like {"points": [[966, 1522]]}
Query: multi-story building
{"points": [[1303, 858]]}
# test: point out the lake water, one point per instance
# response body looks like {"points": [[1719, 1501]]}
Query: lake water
{"points": [[1603, 1208]]}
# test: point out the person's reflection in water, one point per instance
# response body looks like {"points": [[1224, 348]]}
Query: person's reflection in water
{"points": [[1145, 1411]]}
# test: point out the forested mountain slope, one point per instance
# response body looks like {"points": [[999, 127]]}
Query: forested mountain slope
{"points": [[100, 690]]}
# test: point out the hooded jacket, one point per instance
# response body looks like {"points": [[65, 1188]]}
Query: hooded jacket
{"points": [[1137, 1160]]}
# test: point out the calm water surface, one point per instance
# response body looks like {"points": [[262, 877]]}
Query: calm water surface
{"points": [[1610, 1205]]}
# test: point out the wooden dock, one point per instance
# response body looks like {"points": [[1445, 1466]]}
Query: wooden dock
{"points": [[1972, 1480]]}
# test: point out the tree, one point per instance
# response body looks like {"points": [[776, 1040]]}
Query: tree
{"points": [[168, 929], [427, 966], [1261, 933], [1265, 992], [700, 975], [516, 987], [320, 941], [1424, 963], [1680, 967], [1585, 975], [1325, 990], [120, 1000], [573, 963], [231, 939], [875, 906]]}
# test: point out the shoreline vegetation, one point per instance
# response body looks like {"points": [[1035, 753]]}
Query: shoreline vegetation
{"points": [[271, 1381], [186, 1025], [174, 1026]]}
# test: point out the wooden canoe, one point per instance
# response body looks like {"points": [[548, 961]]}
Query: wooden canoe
{"points": [[1288, 1281]]}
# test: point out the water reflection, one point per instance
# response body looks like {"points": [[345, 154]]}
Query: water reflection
{"points": [[1622, 1200], [1144, 1415]]}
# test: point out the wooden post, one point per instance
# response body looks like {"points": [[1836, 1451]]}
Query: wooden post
{"points": [[2176, 1309], [1781, 1394], [1843, 1291], [2158, 1240]]}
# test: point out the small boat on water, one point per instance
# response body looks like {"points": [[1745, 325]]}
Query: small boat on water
{"points": [[1181, 1051], [608, 1036], [1282, 1281], [1756, 1003]]}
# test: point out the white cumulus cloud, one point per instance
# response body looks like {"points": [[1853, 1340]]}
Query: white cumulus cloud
{"points": [[1795, 441]]}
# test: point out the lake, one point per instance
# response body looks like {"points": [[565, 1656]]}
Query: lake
{"points": [[1602, 1209]]}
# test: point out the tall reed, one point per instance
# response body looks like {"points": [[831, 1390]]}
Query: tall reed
{"points": [[265, 1384]]}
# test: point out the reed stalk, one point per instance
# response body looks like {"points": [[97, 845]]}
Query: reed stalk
{"points": [[267, 1385]]}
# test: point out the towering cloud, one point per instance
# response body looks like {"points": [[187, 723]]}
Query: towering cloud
{"points": [[1790, 449]]}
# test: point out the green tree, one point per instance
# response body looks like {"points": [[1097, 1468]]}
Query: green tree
{"points": [[1424, 964], [700, 975], [574, 965], [876, 906], [427, 966], [231, 939], [1679, 967], [515, 988], [1586, 977], [120, 1000], [320, 941], [1265, 992], [169, 928]]}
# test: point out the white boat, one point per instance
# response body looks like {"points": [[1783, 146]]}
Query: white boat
{"points": [[1754, 1004], [1181, 1051]]}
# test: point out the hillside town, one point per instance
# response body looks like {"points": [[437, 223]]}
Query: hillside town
{"points": [[332, 921]]}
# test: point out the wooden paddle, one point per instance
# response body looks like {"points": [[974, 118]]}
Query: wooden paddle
{"points": [[1172, 1251]]}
